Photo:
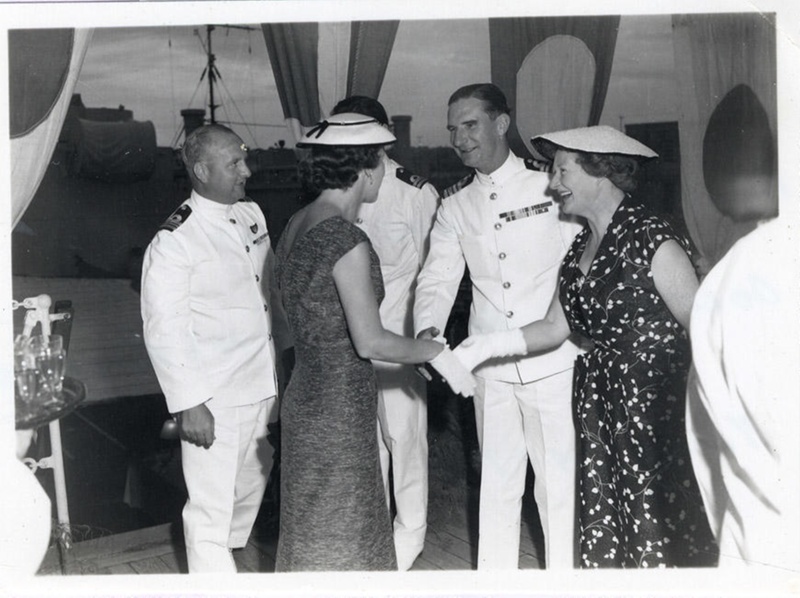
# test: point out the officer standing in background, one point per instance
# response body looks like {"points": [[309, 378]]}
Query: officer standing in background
{"points": [[500, 223], [398, 225], [208, 332]]}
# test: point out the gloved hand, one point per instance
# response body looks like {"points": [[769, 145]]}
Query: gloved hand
{"points": [[453, 371], [477, 348]]}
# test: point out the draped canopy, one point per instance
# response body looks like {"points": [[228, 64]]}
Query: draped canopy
{"points": [[714, 54], [554, 70], [43, 68]]}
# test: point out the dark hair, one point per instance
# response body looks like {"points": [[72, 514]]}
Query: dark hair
{"points": [[620, 169], [195, 148], [334, 167], [494, 100], [363, 105]]}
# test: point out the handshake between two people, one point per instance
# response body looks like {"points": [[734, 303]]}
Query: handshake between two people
{"points": [[456, 365]]}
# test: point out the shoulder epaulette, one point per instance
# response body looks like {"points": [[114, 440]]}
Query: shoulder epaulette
{"points": [[177, 218], [538, 165], [409, 177], [459, 185]]}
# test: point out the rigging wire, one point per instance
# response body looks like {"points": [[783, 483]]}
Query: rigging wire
{"points": [[181, 128], [235, 106], [226, 99], [174, 110]]}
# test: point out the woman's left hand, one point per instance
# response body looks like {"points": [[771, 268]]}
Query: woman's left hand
{"points": [[477, 348], [455, 374]]}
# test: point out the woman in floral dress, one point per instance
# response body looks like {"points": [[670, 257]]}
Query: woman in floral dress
{"points": [[627, 284]]}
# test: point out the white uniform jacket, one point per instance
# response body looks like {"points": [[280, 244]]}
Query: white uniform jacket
{"points": [[398, 225], [744, 406], [508, 232], [206, 316]]}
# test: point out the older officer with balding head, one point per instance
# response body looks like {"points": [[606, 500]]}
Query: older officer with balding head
{"points": [[208, 331]]}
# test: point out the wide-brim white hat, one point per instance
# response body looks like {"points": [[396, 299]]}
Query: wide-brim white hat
{"points": [[347, 129], [598, 140]]}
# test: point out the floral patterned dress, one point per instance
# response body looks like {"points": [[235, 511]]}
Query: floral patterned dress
{"points": [[639, 501]]}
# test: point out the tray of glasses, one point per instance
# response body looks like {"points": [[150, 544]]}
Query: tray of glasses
{"points": [[43, 410]]}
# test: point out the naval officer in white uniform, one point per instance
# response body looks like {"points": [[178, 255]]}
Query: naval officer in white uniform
{"points": [[502, 225], [207, 329], [398, 225]]}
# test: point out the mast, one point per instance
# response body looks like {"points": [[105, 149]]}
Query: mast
{"points": [[212, 77]]}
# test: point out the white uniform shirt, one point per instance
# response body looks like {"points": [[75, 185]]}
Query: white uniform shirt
{"points": [[743, 409], [509, 234], [398, 225], [206, 317]]}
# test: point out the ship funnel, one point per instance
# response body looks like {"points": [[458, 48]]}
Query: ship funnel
{"points": [[193, 118], [401, 126]]}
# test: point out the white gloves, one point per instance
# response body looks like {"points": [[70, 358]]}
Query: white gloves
{"points": [[453, 371], [477, 348]]}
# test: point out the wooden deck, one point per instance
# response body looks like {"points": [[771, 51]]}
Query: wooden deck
{"points": [[160, 550], [451, 541]]}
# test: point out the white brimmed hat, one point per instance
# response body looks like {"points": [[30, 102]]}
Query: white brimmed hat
{"points": [[598, 140], [347, 128]]}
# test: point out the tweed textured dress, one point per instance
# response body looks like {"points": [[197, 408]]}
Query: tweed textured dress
{"points": [[639, 501], [333, 512]]}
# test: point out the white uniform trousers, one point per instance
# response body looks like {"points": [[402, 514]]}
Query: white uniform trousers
{"points": [[226, 484], [403, 444], [517, 421]]}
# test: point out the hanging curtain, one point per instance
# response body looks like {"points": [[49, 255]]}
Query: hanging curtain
{"points": [[370, 47], [714, 54], [553, 70], [292, 49], [44, 65], [334, 56], [317, 64]]}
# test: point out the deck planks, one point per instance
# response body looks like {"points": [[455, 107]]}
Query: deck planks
{"points": [[155, 550]]}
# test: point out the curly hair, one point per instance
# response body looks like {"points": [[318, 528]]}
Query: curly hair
{"points": [[620, 169], [334, 167]]}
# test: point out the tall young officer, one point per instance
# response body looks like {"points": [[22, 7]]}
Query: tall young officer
{"points": [[502, 225]]}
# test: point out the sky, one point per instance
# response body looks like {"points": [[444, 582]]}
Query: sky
{"points": [[429, 61], [156, 72]]}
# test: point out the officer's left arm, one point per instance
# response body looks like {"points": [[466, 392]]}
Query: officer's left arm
{"points": [[281, 333], [280, 324], [675, 280]]}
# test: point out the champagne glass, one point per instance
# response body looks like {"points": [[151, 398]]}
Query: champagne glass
{"points": [[51, 371], [26, 376], [49, 357]]}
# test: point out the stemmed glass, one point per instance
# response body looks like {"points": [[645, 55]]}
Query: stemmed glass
{"points": [[26, 375], [49, 357]]}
